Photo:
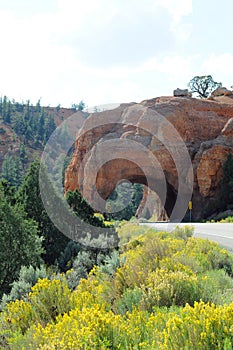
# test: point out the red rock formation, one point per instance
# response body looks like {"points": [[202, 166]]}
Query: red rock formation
{"points": [[118, 144]]}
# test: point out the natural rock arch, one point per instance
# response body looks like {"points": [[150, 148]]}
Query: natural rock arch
{"points": [[100, 160]]}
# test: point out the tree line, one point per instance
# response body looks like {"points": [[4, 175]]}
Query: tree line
{"points": [[31, 123]]}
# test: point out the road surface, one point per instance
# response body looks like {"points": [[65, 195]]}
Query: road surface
{"points": [[218, 232]]}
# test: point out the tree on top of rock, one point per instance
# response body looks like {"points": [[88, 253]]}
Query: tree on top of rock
{"points": [[203, 85]]}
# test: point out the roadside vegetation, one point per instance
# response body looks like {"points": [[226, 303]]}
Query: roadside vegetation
{"points": [[157, 291]]}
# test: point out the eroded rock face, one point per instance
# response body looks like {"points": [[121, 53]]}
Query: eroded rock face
{"points": [[139, 143]]}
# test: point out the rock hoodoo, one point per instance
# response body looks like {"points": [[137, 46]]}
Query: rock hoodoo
{"points": [[124, 142]]}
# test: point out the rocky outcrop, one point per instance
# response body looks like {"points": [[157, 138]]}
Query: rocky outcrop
{"points": [[221, 91], [182, 93], [148, 143]]}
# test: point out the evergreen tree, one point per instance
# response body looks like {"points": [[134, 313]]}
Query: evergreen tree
{"points": [[20, 126], [80, 206], [27, 112], [7, 118], [1, 106], [12, 170], [81, 106], [19, 242], [54, 241], [23, 153], [50, 126], [38, 106], [4, 108], [41, 126], [8, 191], [93, 237]]}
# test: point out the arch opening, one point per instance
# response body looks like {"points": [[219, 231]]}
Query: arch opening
{"points": [[129, 176]]}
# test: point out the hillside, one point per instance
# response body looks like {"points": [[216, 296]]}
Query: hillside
{"points": [[24, 130]]}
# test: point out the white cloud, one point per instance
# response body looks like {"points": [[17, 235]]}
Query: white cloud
{"points": [[221, 63], [220, 66], [178, 8], [100, 51]]}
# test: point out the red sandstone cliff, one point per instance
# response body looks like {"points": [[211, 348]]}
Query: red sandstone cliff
{"points": [[205, 126]]}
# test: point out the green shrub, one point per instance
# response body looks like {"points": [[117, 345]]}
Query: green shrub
{"points": [[28, 277], [229, 219], [167, 288], [216, 286], [130, 299], [82, 265]]}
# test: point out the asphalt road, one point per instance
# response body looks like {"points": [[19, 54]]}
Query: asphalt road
{"points": [[221, 233]]}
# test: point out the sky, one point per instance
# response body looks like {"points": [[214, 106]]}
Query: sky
{"points": [[111, 51]]}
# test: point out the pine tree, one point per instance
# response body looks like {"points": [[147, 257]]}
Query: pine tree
{"points": [[19, 242], [50, 126], [23, 153], [41, 126], [27, 112], [12, 170], [54, 241], [38, 106], [1, 106], [7, 118], [4, 108]]}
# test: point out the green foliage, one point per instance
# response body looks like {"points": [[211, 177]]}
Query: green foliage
{"points": [[66, 258], [47, 300], [49, 127], [92, 235], [144, 299], [111, 263], [78, 106], [28, 277], [23, 154], [228, 219], [128, 230], [50, 298], [203, 85], [118, 202], [82, 209], [19, 242], [54, 242], [12, 170], [82, 265], [129, 300], [9, 191], [216, 286], [30, 123], [4, 108]]}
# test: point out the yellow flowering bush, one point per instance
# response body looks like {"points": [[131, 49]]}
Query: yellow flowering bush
{"points": [[203, 326], [18, 315], [159, 298], [50, 299], [167, 288]]}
